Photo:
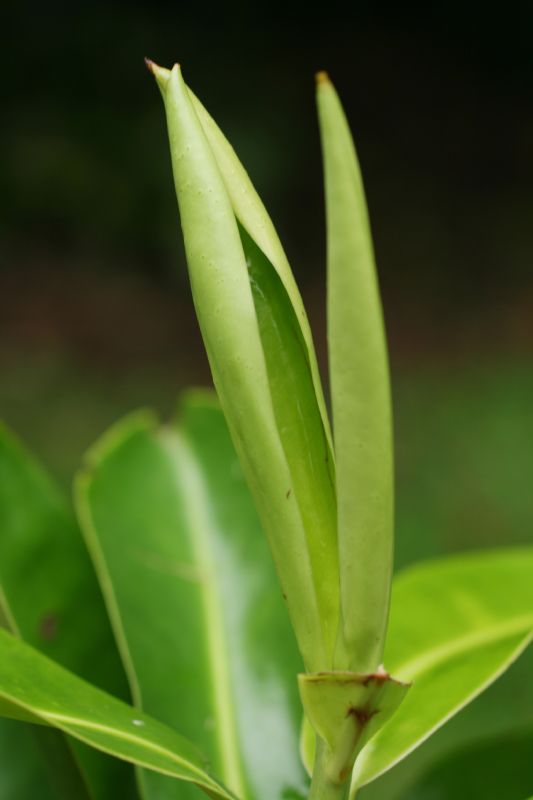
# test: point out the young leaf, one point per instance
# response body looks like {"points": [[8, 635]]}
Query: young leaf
{"points": [[60, 699], [456, 624], [304, 438], [192, 592], [253, 217], [50, 598], [360, 398], [251, 396]]}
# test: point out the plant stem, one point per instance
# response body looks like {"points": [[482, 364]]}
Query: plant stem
{"points": [[321, 786]]}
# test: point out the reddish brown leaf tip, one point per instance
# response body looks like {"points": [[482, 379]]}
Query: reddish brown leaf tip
{"points": [[322, 77], [150, 65]]}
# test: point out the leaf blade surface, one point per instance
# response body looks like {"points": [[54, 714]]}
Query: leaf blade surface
{"points": [[456, 625], [169, 519], [62, 700]]}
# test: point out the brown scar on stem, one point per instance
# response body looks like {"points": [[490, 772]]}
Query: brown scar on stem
{"points": [[362, 715], [288, 494], [378, 677]]}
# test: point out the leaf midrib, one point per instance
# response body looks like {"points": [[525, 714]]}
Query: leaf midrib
{"points": [[195, 495], [516, 652], [442, 652], [63, 721]]}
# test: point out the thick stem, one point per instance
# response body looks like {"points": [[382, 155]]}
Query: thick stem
{"points": [[321, 787]]}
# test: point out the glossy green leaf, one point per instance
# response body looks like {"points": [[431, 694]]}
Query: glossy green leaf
{"points": [[192, 591], [456, 625], [253, 399], [51, 599], [64, 701], [360, 395], [502, 710]]}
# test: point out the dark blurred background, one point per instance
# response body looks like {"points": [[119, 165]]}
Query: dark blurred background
{"points": [[95, 312]]}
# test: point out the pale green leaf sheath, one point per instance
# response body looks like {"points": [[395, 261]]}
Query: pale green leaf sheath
{"points": [[360, 395], [266, 419], [192, 594], [56, 697]]}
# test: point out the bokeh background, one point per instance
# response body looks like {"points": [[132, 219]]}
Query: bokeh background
{"points": [[96, 317]]}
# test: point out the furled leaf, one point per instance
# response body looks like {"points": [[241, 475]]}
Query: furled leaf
{"points": [[295, 504], [192, 592], [64, 701], [304, 438], [51, 599], [254, 219], [291, 366], [456, 625], [360, 398]]}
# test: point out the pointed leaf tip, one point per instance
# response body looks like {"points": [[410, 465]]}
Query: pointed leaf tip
{"points": [[161, 74], [150, 65], [322, 77]]}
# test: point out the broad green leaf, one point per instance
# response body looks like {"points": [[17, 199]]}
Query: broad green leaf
{"points": [[51, 599], [360, 395], [235, 346], [15, 712], [456, 624], [501, 711], [193, 595], [62, 700]]}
